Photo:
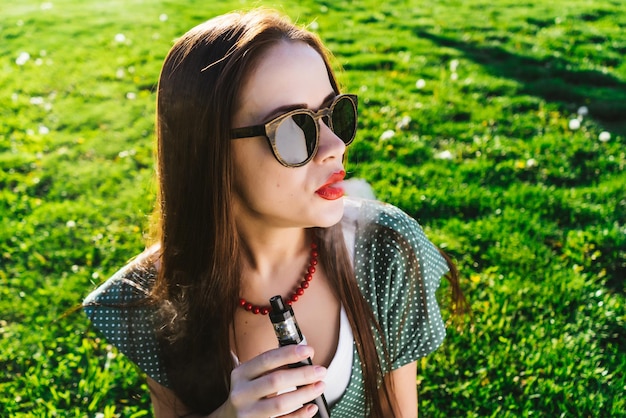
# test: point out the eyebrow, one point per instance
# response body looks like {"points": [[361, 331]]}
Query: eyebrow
{"points": [[287, 108]]}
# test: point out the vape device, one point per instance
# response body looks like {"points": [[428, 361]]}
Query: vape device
{"points": [[288, 332]]}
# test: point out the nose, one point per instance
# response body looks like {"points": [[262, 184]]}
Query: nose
{"points": [[330, 145]]}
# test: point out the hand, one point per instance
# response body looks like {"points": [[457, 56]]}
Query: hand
{"points": [[255, 383]]}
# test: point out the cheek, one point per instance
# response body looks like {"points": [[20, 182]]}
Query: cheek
{"points": [[246, 159], [252, 154], [254, 173], [259, 179]]}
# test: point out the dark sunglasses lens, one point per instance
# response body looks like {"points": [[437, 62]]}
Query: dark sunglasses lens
{"points": [[344, 119], [295, 138]]}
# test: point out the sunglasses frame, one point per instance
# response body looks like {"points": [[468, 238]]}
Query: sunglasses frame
{"points": [[268, 130]]}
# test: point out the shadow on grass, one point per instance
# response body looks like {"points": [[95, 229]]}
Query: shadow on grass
{"points": [[552, 79], [557, 80]]}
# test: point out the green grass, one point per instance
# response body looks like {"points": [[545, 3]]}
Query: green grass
{"points": [[533, 212]]}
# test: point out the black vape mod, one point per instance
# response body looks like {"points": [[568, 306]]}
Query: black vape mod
{"points": [[288, 332]]}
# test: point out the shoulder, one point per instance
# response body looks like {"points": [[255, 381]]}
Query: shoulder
{"points": [[131, 283], [360, 211], [398, 270], [121, 310], [377, 223], [392, 254]]}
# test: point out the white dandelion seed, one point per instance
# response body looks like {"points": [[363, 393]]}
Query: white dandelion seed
{"points": [[444, 155], [403, 123], [531, 162], [125, 153], [36, 100], [70, 224], [314, 26], [583, 111], [163, 17], [388, 134], [454, 76], [120, 73], [574, 124], [43, 130], [120, 38], [604, 136], [131, 96], [420, 84], [454, 64], [22, 58]]}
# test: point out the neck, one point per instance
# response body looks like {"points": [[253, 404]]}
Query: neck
{"points": [[267, 251]]}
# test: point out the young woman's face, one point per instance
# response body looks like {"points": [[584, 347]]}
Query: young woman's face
{"points": [[289, 76]]}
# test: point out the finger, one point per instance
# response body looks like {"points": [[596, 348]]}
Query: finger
{"points": [[282, 380], [293, 403], [307, 411], [271, 360]]}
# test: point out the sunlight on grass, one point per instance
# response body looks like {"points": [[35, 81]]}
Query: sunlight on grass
{"points": [[498, 125]]}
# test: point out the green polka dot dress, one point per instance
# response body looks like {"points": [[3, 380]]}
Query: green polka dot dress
{"points": [[398, 271]]}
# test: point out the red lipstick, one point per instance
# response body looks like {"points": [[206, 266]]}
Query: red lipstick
{"points": [[331, 190]]}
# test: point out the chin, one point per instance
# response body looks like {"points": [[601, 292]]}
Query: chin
{"points": [[329, 214]]}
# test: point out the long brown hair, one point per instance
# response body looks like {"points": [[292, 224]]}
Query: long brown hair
{"points": [[198, 282]]}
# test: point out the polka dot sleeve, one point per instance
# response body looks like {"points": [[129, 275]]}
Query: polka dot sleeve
{"points": [[118, 309], [399, 271]]}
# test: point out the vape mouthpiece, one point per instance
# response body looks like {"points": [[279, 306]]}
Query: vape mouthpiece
{"points": [[277, 304]]}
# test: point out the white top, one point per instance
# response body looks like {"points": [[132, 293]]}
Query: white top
{"points": [[340, 368]]}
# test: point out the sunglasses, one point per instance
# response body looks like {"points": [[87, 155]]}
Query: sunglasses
{"points": [[294, 136]]}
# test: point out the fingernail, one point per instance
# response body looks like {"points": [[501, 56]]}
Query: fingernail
{"points": [[304, 351], [320, 371], [312, 409]]}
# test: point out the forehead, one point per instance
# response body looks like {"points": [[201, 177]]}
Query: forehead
{"points": [[288, 73]]}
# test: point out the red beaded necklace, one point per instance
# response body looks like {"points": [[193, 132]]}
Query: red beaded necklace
{"points": [[310, 271]]}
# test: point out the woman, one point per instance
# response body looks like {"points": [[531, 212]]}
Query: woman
{"points": [[252, 131]]}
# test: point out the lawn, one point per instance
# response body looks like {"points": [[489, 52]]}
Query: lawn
{"points": [[499, 125]]}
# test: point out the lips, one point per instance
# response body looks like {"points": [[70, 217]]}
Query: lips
{"points": [[332, 190]]}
